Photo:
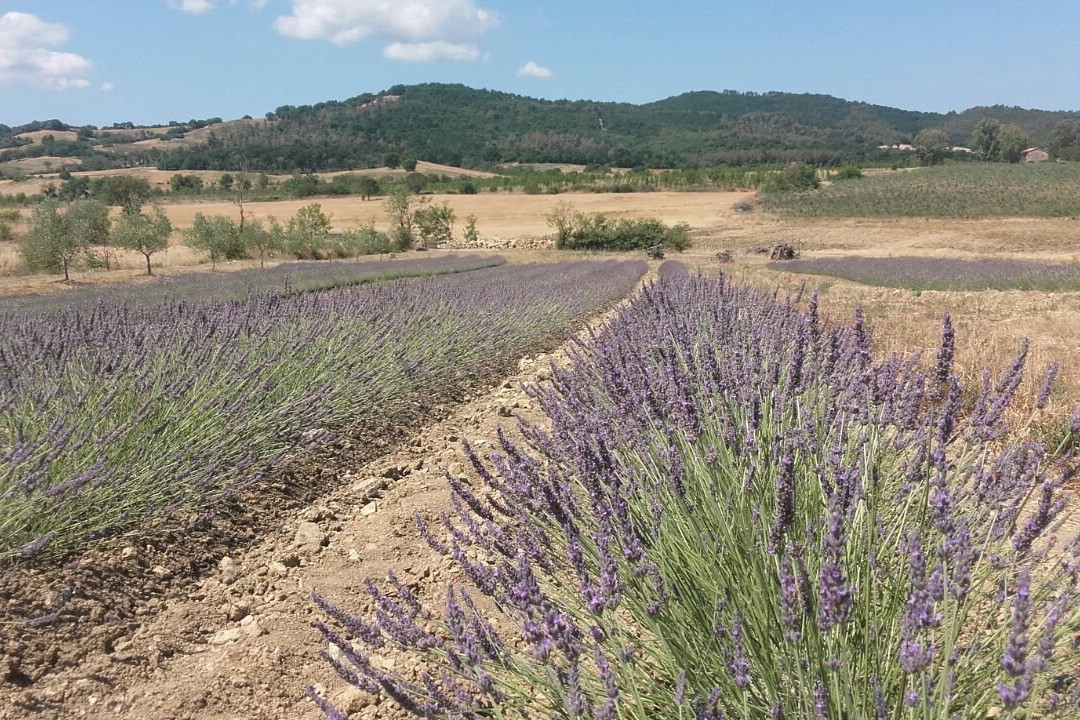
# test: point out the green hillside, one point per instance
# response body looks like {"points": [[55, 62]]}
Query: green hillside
{"points": [[457, 125]]}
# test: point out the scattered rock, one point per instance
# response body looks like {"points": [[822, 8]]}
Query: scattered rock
{"points": [[309, 537], [291, 560], [352, 700], [227, 635], [370, 509], [354, 555], [278, 569], [237, 611], [543, 373]]}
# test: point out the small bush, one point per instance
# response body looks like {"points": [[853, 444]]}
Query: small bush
{"points": [[848, 172], [795, 177]]}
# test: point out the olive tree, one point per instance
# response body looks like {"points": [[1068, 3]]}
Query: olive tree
{"points": [[88, 221], [50, 246], [987, 139], [308, 231], [143, 233], [434, 224], [217, 236], [1013, 143]]}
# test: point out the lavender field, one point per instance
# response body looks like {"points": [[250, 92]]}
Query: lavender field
{"points": [[115, 409], [930, 273], [738, 511], [285, 279]]}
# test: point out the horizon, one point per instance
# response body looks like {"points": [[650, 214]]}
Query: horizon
{"points": [[72, 61]]}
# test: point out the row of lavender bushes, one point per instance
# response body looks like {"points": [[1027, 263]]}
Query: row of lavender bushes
{"points": [[739, 512], [928, 273], [287, 278], [113, 412]]}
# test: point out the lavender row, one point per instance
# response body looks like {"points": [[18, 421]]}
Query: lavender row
{"points": [[285, 279], [925, 273], [116, 412], [739, 512]]}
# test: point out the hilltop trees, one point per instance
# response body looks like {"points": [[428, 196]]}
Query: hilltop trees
{"points": [[932, 145]]}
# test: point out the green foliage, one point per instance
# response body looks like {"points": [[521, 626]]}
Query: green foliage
{"points": [[416, 182], [369, 188], [262, 240], [225, 182], [400, 209], [218, 236], [181, 183], [848, 172], [794, 178], [578, 231], [958, 190], [409, 165], [147, 234], [366, 241], [1013, 143], [932, 146], [434, 224], [987, 139], [49, 246], [1065, 138], [307, 233], [117, 190], [88, 221], [472, 235]]}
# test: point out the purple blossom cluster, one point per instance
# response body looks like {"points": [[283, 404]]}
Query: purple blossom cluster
{"points": [[114, 411], [777, 522]]}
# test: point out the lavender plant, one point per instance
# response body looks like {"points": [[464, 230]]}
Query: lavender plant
{"points": [[738, 512], [113, 412], [925, 273]]}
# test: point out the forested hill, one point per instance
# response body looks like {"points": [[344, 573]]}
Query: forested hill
{"points": [[457, 125]]}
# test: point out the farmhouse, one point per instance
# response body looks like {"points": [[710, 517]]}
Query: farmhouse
{"points": [[1035, 155]]}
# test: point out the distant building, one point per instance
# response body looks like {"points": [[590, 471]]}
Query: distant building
{"points": [[1035, 155], [897, 146], [958, 149]]}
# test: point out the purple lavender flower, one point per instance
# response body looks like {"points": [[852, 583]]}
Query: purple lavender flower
{"points": [[836, 602]]}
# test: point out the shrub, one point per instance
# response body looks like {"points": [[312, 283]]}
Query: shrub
{"points": [[793, 178], [578, 231], [848, 172]]}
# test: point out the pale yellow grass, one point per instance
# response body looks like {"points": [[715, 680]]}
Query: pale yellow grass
{"points": [[502, 215], [38, 135]]}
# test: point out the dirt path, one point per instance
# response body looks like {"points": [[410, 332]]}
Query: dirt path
{"points": [[241, 645]]}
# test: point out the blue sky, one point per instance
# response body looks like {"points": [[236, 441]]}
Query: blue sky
{"points": [[104, 61]]}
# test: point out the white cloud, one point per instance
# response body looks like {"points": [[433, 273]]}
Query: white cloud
{"points": [[257, 4], [26, 57], [108, 86], [195, 7], [426, 52], [532, 70], [347, 21]]}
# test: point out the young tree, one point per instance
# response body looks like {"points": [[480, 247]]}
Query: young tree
{"points": [[932, 146], [145, 234], [308, 231], [49, 244], [562, 219], [416, 182], [1013, 143], [399, 206], [987, 139], [225, 182], [435, 225], [263, 240], [472, 235], [409, 165], [88, 221], [217, 235]]}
